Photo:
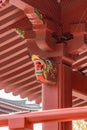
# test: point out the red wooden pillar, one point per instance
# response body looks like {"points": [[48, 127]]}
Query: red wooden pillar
{"points": [[58, 96]]}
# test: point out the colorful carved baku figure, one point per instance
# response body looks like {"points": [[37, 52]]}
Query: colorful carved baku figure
{"points": [[44, 70]]}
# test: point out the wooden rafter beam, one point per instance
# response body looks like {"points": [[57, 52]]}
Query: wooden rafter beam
{"points": [[83, 52], [44, 37], [23, 23], [79, 83], [79, 95], [79, 63], [80, 55], [80, 104], [10, 20], [26, 87], [34, 96], [29, 92]]}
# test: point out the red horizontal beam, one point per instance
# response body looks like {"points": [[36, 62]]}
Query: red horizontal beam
{"points": [[65, 114]]}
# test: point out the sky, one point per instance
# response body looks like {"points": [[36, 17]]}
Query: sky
{"points": [[11, 97], [36, 127]]}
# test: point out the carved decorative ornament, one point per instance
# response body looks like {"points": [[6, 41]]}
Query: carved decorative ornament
{"points": [[45, 70]]}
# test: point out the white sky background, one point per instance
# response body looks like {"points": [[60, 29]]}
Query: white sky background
{"points": [[8, 96], [11, 97], [36, 127]]}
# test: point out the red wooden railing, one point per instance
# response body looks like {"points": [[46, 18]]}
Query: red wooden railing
{"points": [[17, 121]]}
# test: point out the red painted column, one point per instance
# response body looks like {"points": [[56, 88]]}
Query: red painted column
{"points": [[65, 92], [58, 96]]}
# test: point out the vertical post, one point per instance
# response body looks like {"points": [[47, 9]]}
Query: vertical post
{"points": [[49, 101], [65, 92], [58, 96], [19, 124]]}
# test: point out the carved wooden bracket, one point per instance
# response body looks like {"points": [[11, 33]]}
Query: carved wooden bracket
{"points": [[43, 37]]}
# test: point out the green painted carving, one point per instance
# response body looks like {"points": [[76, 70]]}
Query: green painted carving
{"points": [[38, 14], [20, 32]]}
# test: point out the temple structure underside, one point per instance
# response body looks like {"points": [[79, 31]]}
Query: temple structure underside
{"points": [[54, 31]]}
